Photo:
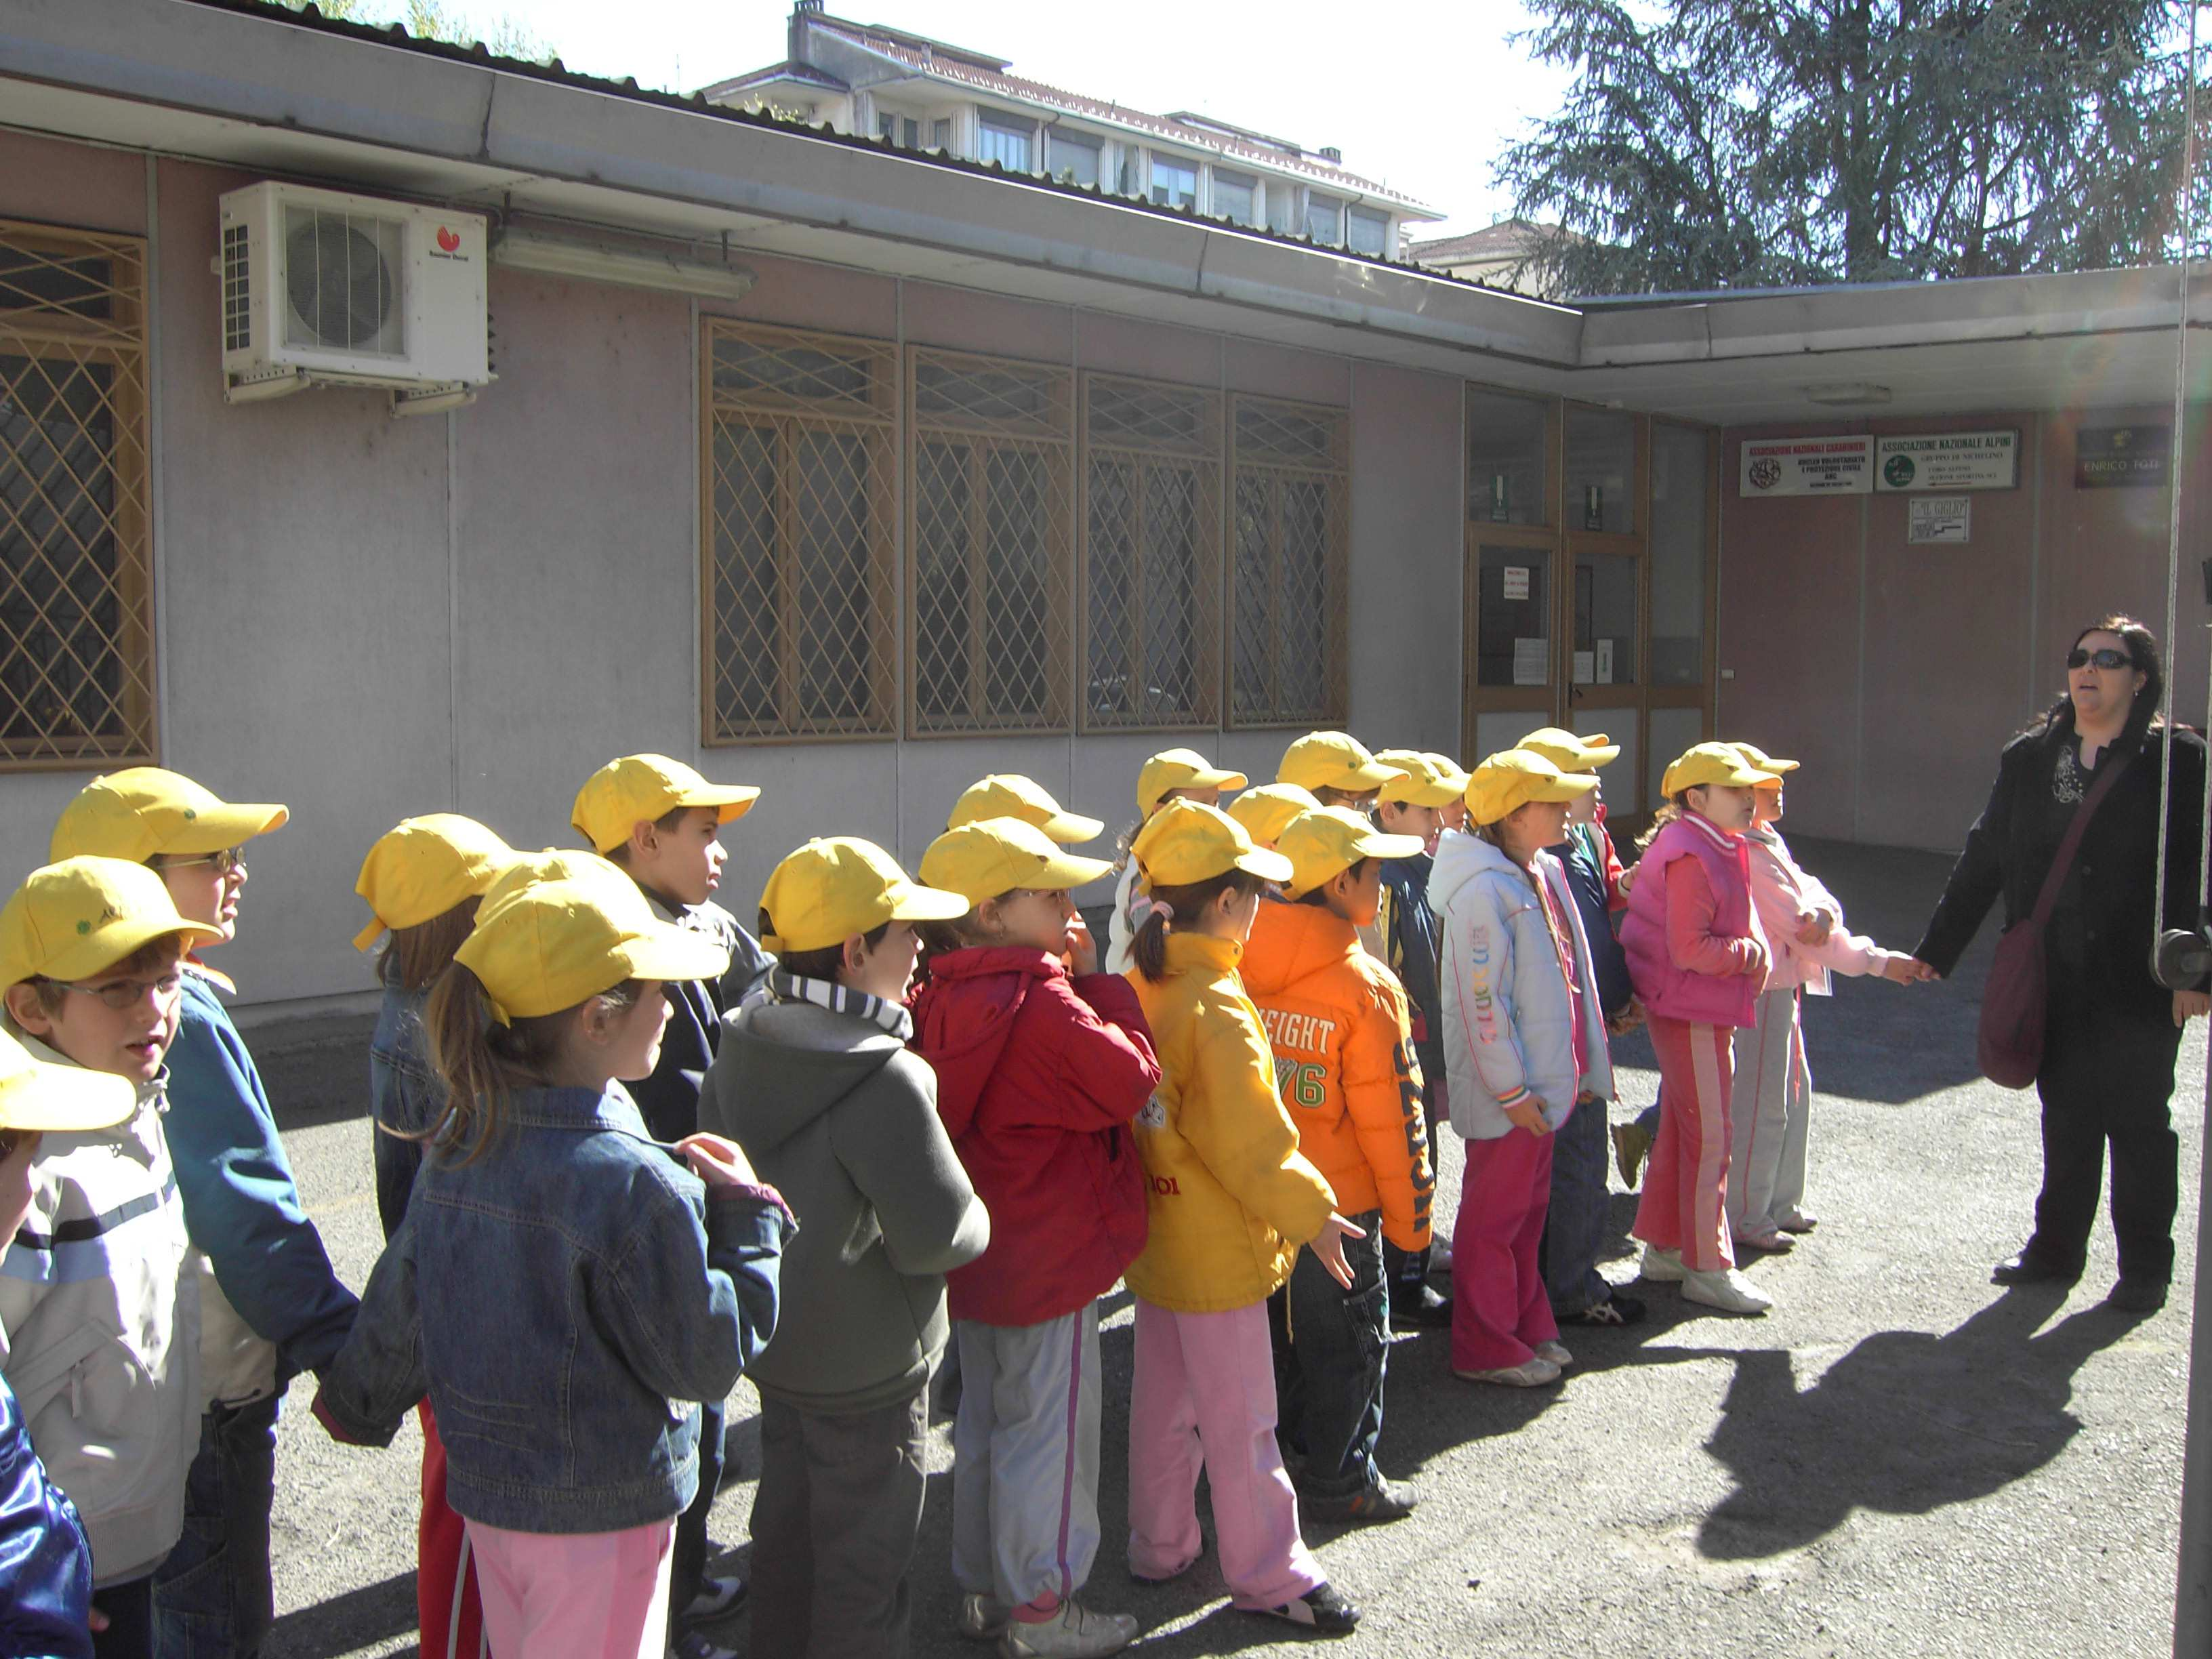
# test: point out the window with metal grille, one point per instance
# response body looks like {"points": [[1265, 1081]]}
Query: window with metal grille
{"points": [[76, 612], [800, 577], [1151, 555], [1290, 535], [989, 503]]}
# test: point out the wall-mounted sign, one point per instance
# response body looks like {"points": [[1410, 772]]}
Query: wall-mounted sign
{"points": [[1517, 581], [1947, 460], [2122, 457], [1939, 519], [1807, 467]]}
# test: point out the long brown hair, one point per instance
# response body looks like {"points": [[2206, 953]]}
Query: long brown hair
{"points": [[482, 1062], [1676, 805], [1187, 903], [413, 957]]}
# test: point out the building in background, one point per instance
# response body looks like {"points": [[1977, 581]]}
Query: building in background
{"points": [[1494, 256]]}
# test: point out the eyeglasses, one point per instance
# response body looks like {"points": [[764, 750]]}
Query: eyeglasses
{"points": [[230, 858], [2106, 659], [121, 994]]}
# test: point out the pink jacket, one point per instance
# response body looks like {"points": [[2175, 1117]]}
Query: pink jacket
{"points": [[1786, 898], [1705, 985]]}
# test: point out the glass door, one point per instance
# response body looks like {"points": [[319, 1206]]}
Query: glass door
{"points": [[1604, 678], [1685, 463], [1513, 647]]}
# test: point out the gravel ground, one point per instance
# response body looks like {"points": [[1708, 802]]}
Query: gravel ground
{"points": [[1901, 1459]]}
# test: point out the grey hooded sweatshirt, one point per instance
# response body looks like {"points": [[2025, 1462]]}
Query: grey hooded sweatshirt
{"points": [[836, 1113]]}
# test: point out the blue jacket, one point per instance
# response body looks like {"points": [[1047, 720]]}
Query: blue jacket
{"points": [[1410, 935], [45, 1566], [406, 1097], [1578, 856], [271, 1306], [566, 1300], [669, 1099]]}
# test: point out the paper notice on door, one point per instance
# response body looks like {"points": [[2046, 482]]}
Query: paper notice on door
{"points": [[1585, 667], [1604, 655], [1517, 581], [1532, 662]]}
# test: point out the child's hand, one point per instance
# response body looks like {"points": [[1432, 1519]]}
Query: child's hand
{"points": [[1756, 962], [1628, 879], [1908, 970], [1082, 950], [1816, 928], [1529, 1115], [1329, 1245], [94, 1620], [717, 1161]]}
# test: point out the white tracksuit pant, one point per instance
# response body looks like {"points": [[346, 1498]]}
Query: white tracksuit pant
{"points": [[1773, 1097]]}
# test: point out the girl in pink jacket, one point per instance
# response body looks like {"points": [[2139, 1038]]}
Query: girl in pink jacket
{"points": [[1805, 935]]}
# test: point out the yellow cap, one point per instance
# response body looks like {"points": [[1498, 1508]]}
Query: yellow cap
{"points": [[1010, 795], [1708, 763], [552, 945], [1510, 779], [1180, 769], [840, 885], [1449, 767], [553, 864], [78, 916], [1422, 782], [423, 867], [35, 1094], [1187, 840], [1761, 761], [992, 856], [1332, 760], [1328, 839], [134, 814], [639, 788], [1265, 810], [1571, 752]]}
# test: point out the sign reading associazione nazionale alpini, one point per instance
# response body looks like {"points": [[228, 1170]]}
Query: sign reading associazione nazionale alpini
{"points": [[1807, 467], [1947, 461]]}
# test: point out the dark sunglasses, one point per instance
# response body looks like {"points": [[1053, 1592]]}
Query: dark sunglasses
{"points": [[2108, 659]]}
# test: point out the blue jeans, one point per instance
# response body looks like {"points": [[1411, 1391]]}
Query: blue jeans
{"points": [[1330, 1345], [1575, 1226], [213, 1598]]}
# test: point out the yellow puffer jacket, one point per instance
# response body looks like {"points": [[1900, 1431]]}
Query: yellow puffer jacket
{"points": [[1231, 1199]]}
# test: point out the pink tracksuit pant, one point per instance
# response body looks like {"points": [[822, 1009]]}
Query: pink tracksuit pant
{"points": [[1685, 1200]]}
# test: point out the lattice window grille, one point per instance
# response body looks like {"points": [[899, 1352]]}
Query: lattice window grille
{"points": [[799, 534], [76, 616], [1151, 555], [1291, 534], [990, 505]]}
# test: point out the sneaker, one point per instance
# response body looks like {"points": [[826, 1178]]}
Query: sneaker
{"points": [[1384, 1499], [1631, 1145], [1772, 1241], [1556, 1352], [1726, 1289], [1661, 1266], [691, 1644], [983, 1618], [1323, 1609], [718, 1598], [1616, 1310], [1422, 1309], [1530, 1373], [1074, 1630], [1796, 1221], [1440, 1255]]}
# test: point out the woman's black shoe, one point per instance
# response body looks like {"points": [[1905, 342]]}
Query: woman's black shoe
{"points": [[2029, 1267], [2137, 1295]]}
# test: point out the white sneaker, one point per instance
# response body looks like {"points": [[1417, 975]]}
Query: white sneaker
{"points": [[1726, 1289], [981, 1618], [1661, 1266], [1555, 1353], [1529, 1374], [1073, 1631]]}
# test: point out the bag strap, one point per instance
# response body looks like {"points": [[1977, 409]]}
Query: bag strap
{"points": [[2070, 843]]}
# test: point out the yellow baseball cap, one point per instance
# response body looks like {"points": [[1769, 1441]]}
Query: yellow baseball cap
{"points": [[638, 789], [1510, 779], [1422, 782], [1265, 810], [1187, 840], [992, 856], [423, 867], [553, 864], [1180, 769], [1332, 760], [1709, 764], [1449, 767], [133, 814], [78, 916], [38, 1095], [1761, 761], [839, 885], [1328, 839], [1571, 752], [552, 945], [1010, 795]]}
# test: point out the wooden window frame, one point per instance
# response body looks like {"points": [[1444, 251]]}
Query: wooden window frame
{"points": [[1272, 715]]}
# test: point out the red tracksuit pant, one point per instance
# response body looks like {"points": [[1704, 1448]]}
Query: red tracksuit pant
{"points": [[445, 1576], [1684, 1203]]}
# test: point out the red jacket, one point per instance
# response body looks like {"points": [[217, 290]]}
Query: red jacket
{"points": [[1038, 1078]]}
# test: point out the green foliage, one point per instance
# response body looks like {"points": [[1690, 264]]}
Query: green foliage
{"points": [[432, 20]]}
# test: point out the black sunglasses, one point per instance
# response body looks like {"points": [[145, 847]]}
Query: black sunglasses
{"points": [[2107, 657]]}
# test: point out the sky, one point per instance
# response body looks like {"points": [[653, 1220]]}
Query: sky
{"points": [[1317, 73]]}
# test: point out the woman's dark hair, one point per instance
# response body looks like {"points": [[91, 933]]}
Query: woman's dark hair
{"points": [[825, 963], [413, 957], [2142, 653], [1188, 903]]}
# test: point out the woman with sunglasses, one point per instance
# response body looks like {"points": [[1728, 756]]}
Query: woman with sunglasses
{"points": [[2110, 1029]]}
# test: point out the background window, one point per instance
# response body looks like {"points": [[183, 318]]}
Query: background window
{"points": [[1237, 198], [1072, 156], [1291, 533], [940, 134], [1370, 232], [1008, 142], [1325, 219], [1175, 183]]}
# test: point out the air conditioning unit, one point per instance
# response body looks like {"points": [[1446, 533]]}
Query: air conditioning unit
{"points": [[320, 287]]}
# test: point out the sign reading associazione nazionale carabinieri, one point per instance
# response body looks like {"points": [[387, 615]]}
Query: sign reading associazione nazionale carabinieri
{"points": [[1842, 465]]}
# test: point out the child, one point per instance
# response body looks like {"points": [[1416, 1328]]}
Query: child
{"points": [[1414, 805], [817, 1084], [99, 1299], [1010, 795], [1232, 1200], [1454, 812], [1524, 1046], [1804, 928], [563, 1287], [1040, 1063], [1171, 775], [661, 822], [1698, 958], [1336, 1021], [423, 882], [45, 1566], [1266, 811], [1337, 769], [270, 1305]]}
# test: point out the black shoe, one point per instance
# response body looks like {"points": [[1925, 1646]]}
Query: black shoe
{"points": [[2137, 1295], [1615, 1310], [1383, 1499], [1423, 1310], [1323, 1609], [2030, 1267]]}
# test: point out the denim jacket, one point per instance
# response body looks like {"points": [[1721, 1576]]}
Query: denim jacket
{"points": [[405, 1098], [566, 1300]]}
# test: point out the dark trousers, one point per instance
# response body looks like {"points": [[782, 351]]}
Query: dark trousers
{"points": [[1330, 1348], [835, 1525], [1407, 1270], [213, 1598], [1575, 1226], [687, 1561], [2107, 1076], [128, 1608]]}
